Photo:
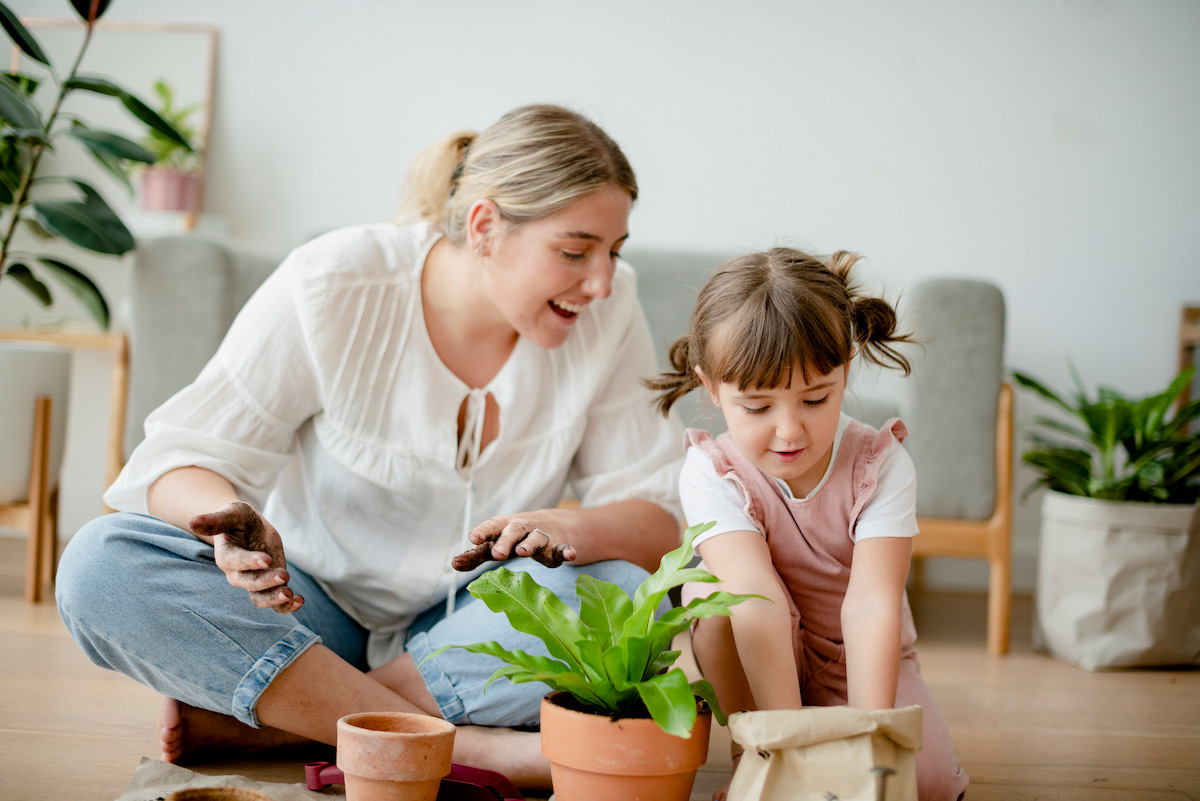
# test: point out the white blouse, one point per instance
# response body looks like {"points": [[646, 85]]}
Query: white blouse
{"points": [[328, 408]]}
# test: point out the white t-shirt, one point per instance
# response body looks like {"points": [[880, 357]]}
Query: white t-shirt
{"points": [[890, 512], [328, 408]]}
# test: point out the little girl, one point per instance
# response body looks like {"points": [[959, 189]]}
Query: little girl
{"points": [[814, 510]]}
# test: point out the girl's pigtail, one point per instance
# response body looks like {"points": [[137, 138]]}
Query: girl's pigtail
{"points": [[432, 178], [874, 319], [676, 382], [875, 330]]}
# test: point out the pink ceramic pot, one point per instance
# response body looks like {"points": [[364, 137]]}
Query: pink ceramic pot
{"points": [[169, 189], [393, 756]]}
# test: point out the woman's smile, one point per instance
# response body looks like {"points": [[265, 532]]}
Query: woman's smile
{"points": [[566, 309]]}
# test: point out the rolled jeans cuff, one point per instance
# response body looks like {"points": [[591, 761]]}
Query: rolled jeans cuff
{"points": [[265, 670]]}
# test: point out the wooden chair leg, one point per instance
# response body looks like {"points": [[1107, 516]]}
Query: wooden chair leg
{"points": [[38, 498], [50, 542], [999, 606], [916, 574]]}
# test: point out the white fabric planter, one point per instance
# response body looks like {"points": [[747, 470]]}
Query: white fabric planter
{"points": [[1118, 583]]}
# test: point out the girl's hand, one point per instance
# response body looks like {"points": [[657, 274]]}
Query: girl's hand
{"points": [[250, 552], [503, 537]]}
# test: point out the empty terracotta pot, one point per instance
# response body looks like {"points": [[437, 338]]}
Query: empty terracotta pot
{"points": [[393, 756], [596, 758]]}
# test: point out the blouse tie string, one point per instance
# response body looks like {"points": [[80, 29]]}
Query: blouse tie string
{"points": [[465, 462]]}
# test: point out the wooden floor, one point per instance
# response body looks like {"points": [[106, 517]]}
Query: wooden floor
{"points": [[1025, 727]]}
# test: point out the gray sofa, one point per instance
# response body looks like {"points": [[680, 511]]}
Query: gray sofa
{"points": [[187, 289]]}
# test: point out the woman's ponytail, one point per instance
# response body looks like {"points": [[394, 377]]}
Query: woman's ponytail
{"points": [[432, 178]]}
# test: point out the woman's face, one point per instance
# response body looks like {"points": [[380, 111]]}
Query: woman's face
{"points": [[541, 275]]}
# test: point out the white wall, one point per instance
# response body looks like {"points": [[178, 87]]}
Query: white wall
{"points": [[1050, 146]]}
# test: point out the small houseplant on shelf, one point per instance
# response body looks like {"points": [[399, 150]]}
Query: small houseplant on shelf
{"points": [[173, 182], [616, 696], [1119, 556], [60, 206]]}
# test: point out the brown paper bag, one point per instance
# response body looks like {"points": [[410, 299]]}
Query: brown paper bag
{"points": [[822, 752]]}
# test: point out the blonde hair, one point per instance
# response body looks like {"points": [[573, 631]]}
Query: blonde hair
{"points": [[533, 162], [762, 315]]}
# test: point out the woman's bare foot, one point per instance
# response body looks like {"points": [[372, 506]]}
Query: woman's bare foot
{"points": [[184, 729], [516, 754]]}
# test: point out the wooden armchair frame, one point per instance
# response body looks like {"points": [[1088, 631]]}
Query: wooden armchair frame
{"points": [[38, 516], [989, 539]]}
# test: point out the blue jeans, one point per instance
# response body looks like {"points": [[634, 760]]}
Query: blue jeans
{"points": [[147, 599]]}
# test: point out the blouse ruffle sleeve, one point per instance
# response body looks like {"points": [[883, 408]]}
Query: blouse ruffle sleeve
{"points": [[240, 416]]}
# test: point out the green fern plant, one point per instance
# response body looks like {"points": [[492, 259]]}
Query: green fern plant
{"points": [[613, 656], [63, 206], [1118, 448]]}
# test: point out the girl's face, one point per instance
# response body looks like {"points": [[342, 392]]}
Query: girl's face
{"points": [[787, 432], [541, 275]]}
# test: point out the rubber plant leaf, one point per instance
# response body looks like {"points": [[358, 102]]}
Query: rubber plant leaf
{"points": [[670, 701], [112, 144], [89, 223], [115, 167], [84, 8], [534, 610], [16, 107], [21, 36], [25, 277], [81, 287], [103, 86]]}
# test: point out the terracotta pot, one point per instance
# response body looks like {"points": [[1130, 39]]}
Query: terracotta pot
{"points": [[169, 189], [218, 794], [393, 756], [596, 758]]}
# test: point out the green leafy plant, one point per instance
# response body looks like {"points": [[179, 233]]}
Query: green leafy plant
{"points": [[1119, 448], [168, 152], [65, 207], [613, 657]]}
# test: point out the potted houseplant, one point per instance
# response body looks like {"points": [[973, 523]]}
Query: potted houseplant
{"points": [[615, 693], [55, 205], [173, 182], [1119, 558]]}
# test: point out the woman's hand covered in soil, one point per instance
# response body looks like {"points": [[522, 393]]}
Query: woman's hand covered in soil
{"points": [[250, 551], [512, 535]]}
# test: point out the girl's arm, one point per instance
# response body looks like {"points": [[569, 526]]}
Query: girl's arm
{"points": [[871, 620], [762, 629]]}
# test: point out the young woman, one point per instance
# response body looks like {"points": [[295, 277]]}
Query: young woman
{"points": [[815, 511], [395, 397]]}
